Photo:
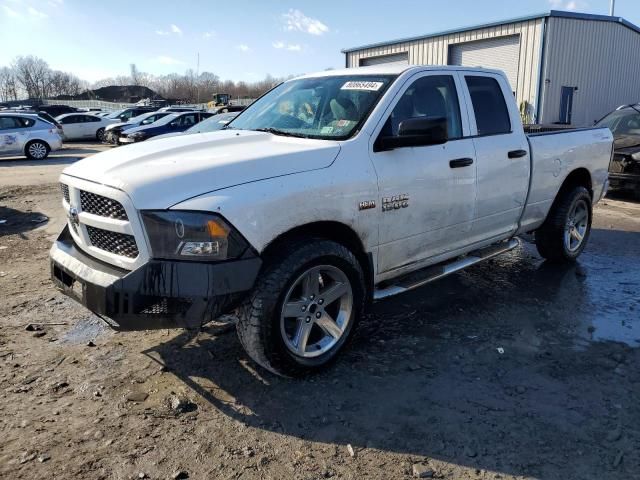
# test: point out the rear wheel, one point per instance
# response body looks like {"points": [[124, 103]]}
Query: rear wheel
{"points": [[303, 309], [565, 232], [37, 150]]}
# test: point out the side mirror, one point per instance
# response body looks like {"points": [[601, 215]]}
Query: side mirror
{"points": [[173, 124], [415, 132]]}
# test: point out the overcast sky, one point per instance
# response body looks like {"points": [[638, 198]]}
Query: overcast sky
{"points": [[239, 39]]}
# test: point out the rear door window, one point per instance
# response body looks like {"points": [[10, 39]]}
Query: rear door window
{"points": [[489, 106]]}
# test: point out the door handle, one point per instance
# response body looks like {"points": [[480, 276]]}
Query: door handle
{"points": [[461, 162], [517, 153]]}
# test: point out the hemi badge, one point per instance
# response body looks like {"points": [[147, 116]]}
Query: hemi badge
{"points": [[367, 204]]}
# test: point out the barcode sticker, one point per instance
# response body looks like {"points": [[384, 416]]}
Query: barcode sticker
{"points": [[356, 85]]}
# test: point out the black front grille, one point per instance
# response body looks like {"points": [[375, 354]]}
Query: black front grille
{"points": [[65, 192], [102, 206], [113, 242]]}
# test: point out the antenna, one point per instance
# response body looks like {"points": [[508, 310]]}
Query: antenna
{"points": [[612, 8]]}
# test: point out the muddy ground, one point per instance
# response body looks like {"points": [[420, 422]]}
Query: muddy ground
{"points": [[512, 369]]}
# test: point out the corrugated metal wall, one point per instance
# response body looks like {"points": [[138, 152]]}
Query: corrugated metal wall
{"points": [[600, 58], [435, 51]]}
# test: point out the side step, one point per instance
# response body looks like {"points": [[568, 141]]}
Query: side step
{"points": [[435, 272]]}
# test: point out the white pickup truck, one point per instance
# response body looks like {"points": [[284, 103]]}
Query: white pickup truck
{"points": [[331, 191]]}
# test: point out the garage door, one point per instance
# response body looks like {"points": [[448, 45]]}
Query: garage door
{"points": [[396, 59], [501, 53]]}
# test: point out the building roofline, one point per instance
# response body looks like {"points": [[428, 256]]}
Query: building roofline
{"points": [[552, 13]]}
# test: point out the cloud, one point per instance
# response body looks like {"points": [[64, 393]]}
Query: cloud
{"points": [[292, 47], [172, 29], [36, 13], [243, 48], [570, 5], [166, 60], [208, 35], [10, 12], [296, 21]]}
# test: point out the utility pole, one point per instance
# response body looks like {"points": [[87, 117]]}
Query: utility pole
{"points": [[612, 8]]}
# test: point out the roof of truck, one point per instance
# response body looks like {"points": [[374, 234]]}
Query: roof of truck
{"points": [[391, 69]]}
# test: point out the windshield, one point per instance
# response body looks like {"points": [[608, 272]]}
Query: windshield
{"points": [[166, 119], [212, 124], [116, 114], [622, 122], [322, 107], [152, 117]]}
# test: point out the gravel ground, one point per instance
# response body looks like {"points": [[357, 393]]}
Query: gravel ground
{"points": [[512, 369]]}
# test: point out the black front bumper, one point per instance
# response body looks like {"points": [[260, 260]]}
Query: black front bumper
{"points": [[159, 294]]}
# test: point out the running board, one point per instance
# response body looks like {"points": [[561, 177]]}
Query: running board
{"points": [[435, 272]]}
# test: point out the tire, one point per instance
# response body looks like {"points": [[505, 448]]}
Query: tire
{"points": [[37, 150], [100, 135], [269, 335], [561, 239]]}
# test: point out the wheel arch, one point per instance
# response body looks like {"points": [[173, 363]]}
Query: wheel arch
{"points": [[330, 230], [580, 177]]}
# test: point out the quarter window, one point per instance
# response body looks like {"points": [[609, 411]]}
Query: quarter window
{"points": [[492, 116], [434, 96]]}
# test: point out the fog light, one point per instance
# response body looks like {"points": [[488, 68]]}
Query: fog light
{"points": [[200, 248]]}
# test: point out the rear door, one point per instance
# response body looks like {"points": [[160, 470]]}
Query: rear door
{"points": [[427, 194], [502, 153]]}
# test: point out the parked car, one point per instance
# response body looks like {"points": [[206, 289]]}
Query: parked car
{"points": [[28, 135], [179, 109], [126, 114], [77, 126], [54, 110], [330, 191], [211, 124], [113, 132], [624, 169], [226, 109], [174, 122]]}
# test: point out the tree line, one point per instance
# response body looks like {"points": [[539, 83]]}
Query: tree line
{"points": [[31, 78]]}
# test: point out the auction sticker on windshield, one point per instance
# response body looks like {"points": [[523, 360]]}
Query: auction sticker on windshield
{"points": [[354, 85]]}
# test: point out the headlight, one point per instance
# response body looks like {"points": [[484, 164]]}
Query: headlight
{"points": [[196, 236], [636, 156]]}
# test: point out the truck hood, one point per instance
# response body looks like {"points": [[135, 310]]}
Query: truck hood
{"points": [[161, 173]]}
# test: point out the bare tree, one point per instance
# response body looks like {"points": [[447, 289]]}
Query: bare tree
{"points": [[8, 85], [32, 75]]}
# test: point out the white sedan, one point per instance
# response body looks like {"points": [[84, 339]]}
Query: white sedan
{"points": [[78, 126]]}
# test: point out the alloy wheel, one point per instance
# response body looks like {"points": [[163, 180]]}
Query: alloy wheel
{"points": [[576, 226], [316, 311]]}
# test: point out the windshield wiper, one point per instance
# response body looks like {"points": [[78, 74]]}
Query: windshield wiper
{"points": [[275, 131]]}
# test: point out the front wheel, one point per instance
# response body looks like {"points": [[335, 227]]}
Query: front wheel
{"points": [[304, 307], [565, 232], [100, 135]]}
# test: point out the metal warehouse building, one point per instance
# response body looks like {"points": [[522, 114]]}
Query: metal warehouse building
{"points": [[564, 67]]}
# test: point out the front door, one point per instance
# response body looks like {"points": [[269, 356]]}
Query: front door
{"points": [[427, 194], [12, 135]]}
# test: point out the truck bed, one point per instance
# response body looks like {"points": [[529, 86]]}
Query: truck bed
{"points": [[555, 154]]}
